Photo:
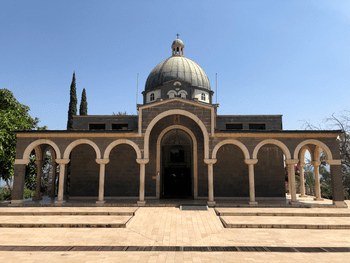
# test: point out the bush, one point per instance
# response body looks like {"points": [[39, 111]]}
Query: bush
{"points": [[5, 194], [27, 193]]}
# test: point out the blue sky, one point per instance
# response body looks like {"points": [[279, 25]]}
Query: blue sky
{"points": [[271, 57]]}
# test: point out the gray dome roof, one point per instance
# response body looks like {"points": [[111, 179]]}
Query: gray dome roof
{"points": [[177, 67], [178, 42]]}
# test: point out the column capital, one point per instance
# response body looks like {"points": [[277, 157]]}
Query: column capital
{"points": [[102, 161], [316, 163], [22, 161], [301, 164], [210, 161], [142, 161], [292, 161], [62, 161], [251, 161], [333, 162]]}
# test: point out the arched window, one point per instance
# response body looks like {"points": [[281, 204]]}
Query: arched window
{"points": [[151, 97], [183, 96], [203, 96]]}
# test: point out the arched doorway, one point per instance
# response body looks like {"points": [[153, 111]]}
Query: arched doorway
{"points": [[177, 169]]}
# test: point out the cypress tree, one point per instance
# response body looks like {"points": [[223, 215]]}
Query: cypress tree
{"points": [[72, 104], [83, 104]]}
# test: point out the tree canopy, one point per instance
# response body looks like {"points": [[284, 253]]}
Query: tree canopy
{"points": [[13, 116], [72, 104], [83, 104]]}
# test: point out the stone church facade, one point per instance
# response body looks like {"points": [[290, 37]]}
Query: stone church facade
{"points": [[179, 147]]}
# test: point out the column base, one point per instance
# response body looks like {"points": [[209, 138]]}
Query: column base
{"points": [[211, 203], [100, 202], [141, 203], [59, 203], [253, 203], [340, 204], [302, 195], [294, 203], [34, 198], [318, 199], [15, 202]]}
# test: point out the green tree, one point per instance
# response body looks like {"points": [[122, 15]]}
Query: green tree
{"points": [[83, 104], [72, 104], [13, 116]]}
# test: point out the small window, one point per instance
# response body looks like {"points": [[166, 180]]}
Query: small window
{"points": [[234, 126], [257, 126], [203, 96], [183, 96], [171, 95], [119, 126], [152, 97], [97, 126]]}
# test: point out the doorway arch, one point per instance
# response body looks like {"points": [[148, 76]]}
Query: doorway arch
{"points": [[176, 151], [194, 158]]}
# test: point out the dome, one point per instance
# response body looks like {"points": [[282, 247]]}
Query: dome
{"points": [[177, 67], [178, 42]]}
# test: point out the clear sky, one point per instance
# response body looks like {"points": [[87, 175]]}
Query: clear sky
{"points": [[271, 57]]}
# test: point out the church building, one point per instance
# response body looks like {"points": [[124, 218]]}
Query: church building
{"points": [[178, 147]]}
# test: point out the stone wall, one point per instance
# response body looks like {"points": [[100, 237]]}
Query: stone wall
{"points": [[272, 122], [231, 175], [84, 172], [82, 122]]}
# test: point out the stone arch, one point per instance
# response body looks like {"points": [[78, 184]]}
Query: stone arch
{"points": [[121, 141], [231, 141], [53, 154], [275, 142], [323, 146], [174, 112], [36, 143], [302, 153], [81, 141], [194, 141], [39, 153]]}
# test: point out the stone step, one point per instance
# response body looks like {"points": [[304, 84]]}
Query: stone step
{"points": [[47, 211], [65, 221], [304, 212], [290, 222]]}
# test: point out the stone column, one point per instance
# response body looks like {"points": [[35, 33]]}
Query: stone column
{"points": [[101, 189], [37, 195], [337, 183], [53, 184], [302, 179], [291, 175], [18, 182], [62, 163], [251, 163], [142, 163], [210, 163], [289, 184], [316, 165], [65, 180]]}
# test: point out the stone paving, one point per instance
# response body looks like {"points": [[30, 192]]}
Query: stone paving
{"points": [[170, 226]]}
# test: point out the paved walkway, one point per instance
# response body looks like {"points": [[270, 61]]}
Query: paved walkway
{"points": [[170, 227]]}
